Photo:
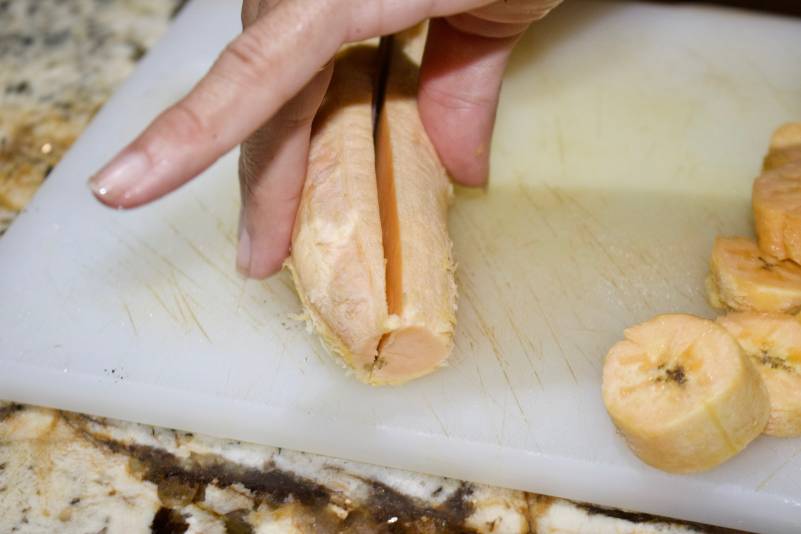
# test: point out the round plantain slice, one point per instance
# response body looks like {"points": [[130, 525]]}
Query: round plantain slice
{"points": [[742, 277], [776, 201], [683, 393], [773, 341]]}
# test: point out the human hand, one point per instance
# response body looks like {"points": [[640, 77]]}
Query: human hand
{"points": [[266, 86]]}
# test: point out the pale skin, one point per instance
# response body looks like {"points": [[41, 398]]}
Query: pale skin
{"points": [[266, 86]]}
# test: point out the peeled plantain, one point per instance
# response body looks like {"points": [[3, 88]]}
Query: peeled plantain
{"points": [[371, 256]]}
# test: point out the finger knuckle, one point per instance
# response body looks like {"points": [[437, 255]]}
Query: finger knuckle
{"points": [[247, 56], [456, 100], [516, 11], [477, 24], [185, 123], [299, 119]]}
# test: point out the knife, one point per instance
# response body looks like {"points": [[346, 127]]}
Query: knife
{"points": [[384, 57]]}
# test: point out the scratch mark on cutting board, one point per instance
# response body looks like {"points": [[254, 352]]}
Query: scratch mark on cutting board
{"points": [[211, 264], [161, 302], [221, 226], [560, 142], [184, 318], [130, 318], [525, 344], [575, 313], [135, 252], [177, 292], [484, 255], [202, 255], [779, 95], [484, 387], [611, 281], [566, 198], [193, 300], [490, 335], [194, 317], [144, 244], [592, 362], [504, 412], [436, 416], [563, 288], [242, 291], [776, 471], [554, 335], [531, 363], [657, 263], [526, 194], [253, 319], [518, 335], [268, 287], [603, 249], [593, 239]]}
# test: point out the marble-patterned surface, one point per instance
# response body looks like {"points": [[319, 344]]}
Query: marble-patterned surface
{"points": [[71, 473], [60, 60]]}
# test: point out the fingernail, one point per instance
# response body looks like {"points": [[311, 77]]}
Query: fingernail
{"points": [[243, 253], [116, 180]]}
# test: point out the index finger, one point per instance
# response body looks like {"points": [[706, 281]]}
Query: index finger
{"points": [[253, 77]]}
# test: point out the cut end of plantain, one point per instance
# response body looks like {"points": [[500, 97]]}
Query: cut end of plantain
{"points": [[742, 277], [371, 255], [773, 342], [683, 393], [407, 353]]}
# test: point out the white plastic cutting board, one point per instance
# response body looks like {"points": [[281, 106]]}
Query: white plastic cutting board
{"points": [[627, 139]]}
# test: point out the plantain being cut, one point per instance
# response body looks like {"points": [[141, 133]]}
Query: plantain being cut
{"points": [[683, 393], [371, 256], [785, 147], [742, 277], [337, 258], [414, 192], [773, 341]]}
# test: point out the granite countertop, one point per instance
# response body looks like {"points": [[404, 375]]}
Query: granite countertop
{"points": [[73, 473], [59, 62], [67, 472]]}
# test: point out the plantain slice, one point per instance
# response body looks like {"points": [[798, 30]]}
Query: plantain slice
{"points": [[682, 392], [773, 341], [776, 201], [742, 277], [785, 146]]}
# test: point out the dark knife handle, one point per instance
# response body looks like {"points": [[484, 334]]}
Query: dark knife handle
{"points": [[782, 7]]}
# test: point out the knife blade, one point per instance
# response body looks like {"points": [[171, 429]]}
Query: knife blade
{"points": [[384, 58]]}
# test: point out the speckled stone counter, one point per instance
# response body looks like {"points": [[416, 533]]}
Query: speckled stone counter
{"points": [[71, 473], [63, 472], [60, 60]]}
